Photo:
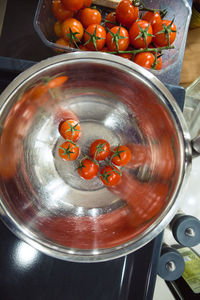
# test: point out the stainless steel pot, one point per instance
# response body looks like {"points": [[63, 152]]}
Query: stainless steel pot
{"points": [[44, 201]]}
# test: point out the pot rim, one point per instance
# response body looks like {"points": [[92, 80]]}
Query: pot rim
{"points": [[164, 219]]}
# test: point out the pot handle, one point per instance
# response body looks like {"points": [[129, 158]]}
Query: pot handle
{"points": [[196, 146]]}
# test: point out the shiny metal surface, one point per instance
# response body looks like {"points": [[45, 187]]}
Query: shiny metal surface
{"points": [[196, 144], [46, 203]]}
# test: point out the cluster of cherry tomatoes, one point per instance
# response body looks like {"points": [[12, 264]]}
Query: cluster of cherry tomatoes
{"points": [[100, 150], [124, 32]]}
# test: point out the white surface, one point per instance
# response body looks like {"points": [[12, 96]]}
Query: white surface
{"points": [[162, 291]]}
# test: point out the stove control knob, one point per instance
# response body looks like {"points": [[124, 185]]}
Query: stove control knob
{"points": [[186, 230], [171, 264]]}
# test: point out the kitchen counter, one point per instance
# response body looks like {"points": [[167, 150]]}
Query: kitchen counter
{"points": [[191, 62]]}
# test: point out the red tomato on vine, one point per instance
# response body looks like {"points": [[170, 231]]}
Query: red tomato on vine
{"points": [[72, 30], [72, 5], [89, 16], [153, 18], [120, 155], [100, 149], [164, 33], [110, 175], [68, 151], [60, 12], [95, 37], [126, 13], [140, 34], [88, 169], [87, 3], [111, 20], [70, 130], [63, 42], [117, 39], [147, 60]]}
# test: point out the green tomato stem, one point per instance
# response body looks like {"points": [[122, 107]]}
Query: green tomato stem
{"points": [[136, 51], [142, 7]]}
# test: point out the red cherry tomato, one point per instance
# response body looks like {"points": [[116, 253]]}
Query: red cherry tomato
{"points": [[68, 151], [88, 169], [127, 55], [111, 20], [117, 39], [60, 12], [158, 64], [120, 155], [63, 42], [105, 49], [140, 34], [152, 17], [110, 175], [89, 16], [70, 130], [72, 29], [83, 48], [147, 60], [95, 37], [72, 5], [57, 29], [87, 3], [164, 33], [126, 13], [144, 59], [100, 149]]}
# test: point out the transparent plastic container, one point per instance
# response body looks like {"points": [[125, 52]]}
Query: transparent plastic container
{"points": [[192, 108], [180, 10]]}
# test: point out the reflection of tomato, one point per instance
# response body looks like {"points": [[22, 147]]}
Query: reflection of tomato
{"points": [[152, 17], [117, 39], [70, 130], [88, 169], [167, 37], [95, 37], [72, 29], [89, 16], [126, 13], [72, 5], [100, 149], [63, 114], [163, 157], [144, 29], [68, 151], [56, 82], [60, 12], [110, 175], [111, 20], [17, 123], [120, 155], [141, 155], [146, 199]]}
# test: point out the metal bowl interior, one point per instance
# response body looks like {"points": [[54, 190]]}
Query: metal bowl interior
{"points": [[45, 201]]}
